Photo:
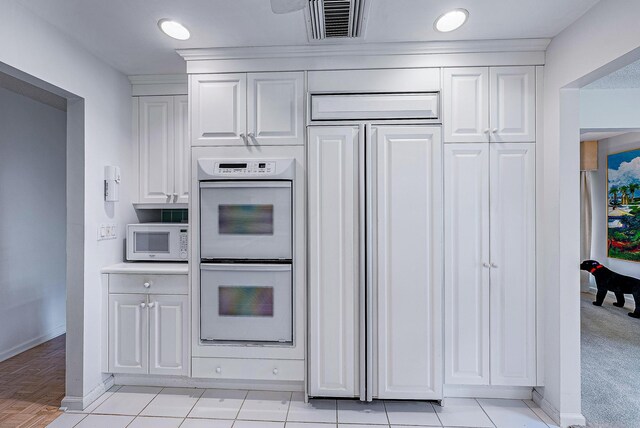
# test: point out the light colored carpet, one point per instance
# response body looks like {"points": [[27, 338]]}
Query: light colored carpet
{"points": [[610, 364]]}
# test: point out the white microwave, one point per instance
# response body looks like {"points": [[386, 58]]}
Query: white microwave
{"points": [[157, 241]]}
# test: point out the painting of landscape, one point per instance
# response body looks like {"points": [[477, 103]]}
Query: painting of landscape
{"points": [[623, 207]]}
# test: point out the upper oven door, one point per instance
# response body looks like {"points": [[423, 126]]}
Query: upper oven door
{"points": [[246, 220]]}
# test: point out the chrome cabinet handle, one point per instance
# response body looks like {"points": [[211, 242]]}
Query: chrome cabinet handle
{"points": [[244, 138], [143, 305], [152, 304], [147, 284], [253, 138], [486, 131], [493, 265], [218, 370], [494, 130], [485, 264], [275, 371]]}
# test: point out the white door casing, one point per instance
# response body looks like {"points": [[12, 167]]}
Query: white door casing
{"points": [[466, 105], [333, 261], [407, 260], [513, 288], [466, 263]]}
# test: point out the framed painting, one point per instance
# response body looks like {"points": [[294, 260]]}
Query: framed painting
{"points": [[623, 205]]}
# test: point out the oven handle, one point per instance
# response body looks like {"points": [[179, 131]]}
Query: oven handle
{"points": [[244, 267], [244, 184]]}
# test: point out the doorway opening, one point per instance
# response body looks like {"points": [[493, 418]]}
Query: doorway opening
{"points": [[610, 235], [41, 210]]}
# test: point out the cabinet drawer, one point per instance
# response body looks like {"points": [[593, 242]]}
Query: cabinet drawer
{"points": [[248, 369], [148, 284]]}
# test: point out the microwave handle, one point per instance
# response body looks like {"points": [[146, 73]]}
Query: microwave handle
{"points": [[245, 267]]}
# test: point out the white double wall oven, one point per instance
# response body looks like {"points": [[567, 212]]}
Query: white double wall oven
{"points": [[246, 248]]}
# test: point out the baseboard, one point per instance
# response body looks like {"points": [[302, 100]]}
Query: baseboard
{"points": [[564, 420], [25, 346], [487, 391], [187, 382], [81, 403]]}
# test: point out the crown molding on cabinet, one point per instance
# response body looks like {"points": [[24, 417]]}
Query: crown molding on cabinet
{"points": [[161, 84], [367, 55]]}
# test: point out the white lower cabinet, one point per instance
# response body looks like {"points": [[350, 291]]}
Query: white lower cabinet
{"points": [[148, 333], [490, 329]]}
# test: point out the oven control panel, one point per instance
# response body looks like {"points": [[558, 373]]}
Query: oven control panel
{"points": [[246, 168]]}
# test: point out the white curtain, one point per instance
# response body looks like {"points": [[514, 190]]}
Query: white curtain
{"points": [[585, 225]]}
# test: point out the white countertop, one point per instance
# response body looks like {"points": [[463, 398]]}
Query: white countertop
{"points": [[176, 268]]}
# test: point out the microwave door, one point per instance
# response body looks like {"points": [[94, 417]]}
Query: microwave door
{"points": [[246, 220]]}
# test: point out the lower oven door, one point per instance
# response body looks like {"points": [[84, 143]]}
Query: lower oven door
{"points": [[246, 303]]}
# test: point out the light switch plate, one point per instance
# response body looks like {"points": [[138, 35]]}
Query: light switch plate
{"points": [[107, 231]]}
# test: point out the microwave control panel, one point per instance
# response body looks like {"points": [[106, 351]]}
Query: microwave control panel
{"points": [[246, 168], [184, 243]]}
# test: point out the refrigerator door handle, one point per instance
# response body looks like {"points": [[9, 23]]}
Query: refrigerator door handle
{"points": [[370, 248], [362, 278]]}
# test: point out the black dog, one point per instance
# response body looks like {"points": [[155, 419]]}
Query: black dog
{"points": [[607, 280]]}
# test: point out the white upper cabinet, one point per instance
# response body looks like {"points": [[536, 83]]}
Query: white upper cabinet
{"points": [[496, 104], [247, 109], [333, 261], [163, 150], [156, 149], [218, 109], [466, 105], [407, 259], [182, 149], [513, 104], [275, 106], [466, 263], [513, 261]]}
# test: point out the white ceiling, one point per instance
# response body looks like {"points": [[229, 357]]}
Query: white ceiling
{"points": [[626, 78], [124, 32]]}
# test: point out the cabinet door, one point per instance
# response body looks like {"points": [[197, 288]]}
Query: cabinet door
{"points": [[407, 261], [168, 332], [275, 108], [466, 263], [513, 104], [128, 333], [218, 109], [156, 137], [466, 105], [333, 261], [182, 149], [513, 289]]}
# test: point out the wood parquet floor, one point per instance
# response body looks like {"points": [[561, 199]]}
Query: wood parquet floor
{"points": [[32, 386]]}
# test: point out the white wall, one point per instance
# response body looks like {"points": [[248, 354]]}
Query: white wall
{"points": [[609, 109], [32, 222], [33, 46], [601, 41], [620, 143]]}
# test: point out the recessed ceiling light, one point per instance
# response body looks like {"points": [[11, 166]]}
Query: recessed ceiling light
{"points": [[174, 29], [451, 20]]}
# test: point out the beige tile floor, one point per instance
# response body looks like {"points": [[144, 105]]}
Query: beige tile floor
{"points": [[151, 407]]}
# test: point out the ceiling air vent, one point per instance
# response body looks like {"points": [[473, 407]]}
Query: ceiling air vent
{"points": [[331, 19]]}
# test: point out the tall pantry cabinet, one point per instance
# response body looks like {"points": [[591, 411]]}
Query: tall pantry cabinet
{"points": [[489, 211]]}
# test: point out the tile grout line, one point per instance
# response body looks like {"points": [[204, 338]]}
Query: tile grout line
{"points": [[536, 413], [384, 406], [485, 412], [286, 417], [437, 415], [246, 394]]}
